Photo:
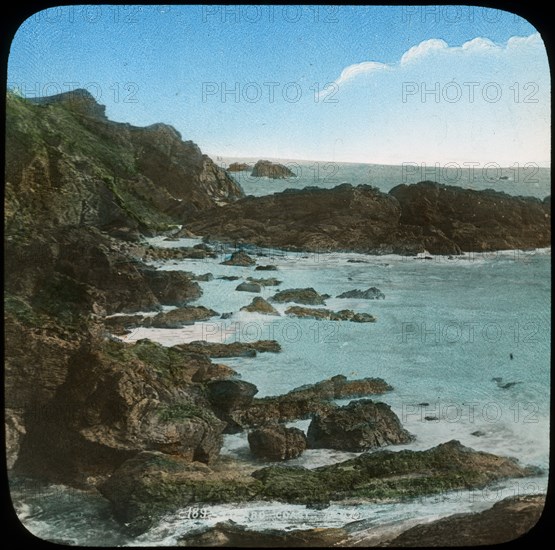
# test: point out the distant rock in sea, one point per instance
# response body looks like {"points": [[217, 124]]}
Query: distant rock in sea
{"points": [[265, 168], [238, 167]]}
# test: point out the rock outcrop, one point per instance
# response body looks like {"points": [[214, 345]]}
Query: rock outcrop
{"points": [[259, 305], [68, 165], [359, 426], [238, 167], [506, 521], [410, 218], [272, 170], [277, 443], [371, 293], [307, 296], [233, 349], [328, 315], [240, 258]]}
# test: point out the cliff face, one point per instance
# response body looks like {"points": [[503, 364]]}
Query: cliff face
{"points": [[410, 218], [74, 182], [67, 164]]}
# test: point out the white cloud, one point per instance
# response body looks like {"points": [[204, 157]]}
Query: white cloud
{"points": [[421, 51]]}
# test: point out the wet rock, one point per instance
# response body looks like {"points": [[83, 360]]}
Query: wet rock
{"points": [[234, 349], [228, 395], [249, 287], [504, 522], [177, 318], [230, 277], [371, 293], [259, 305], [203, 278], [240, 258], [326, 314], [306, 296], [150, 484], [277, 443], [358, 426], [229, 534], [265, 268], [271, 281]]}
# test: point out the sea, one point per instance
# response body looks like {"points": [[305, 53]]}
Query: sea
{"points": [[465, 343]]}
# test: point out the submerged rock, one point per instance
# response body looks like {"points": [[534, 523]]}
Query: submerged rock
{"points": [[259, 305], [277, 443], [359, 426], [371, 293], [240, 258], [300, 295], [265, 268]]}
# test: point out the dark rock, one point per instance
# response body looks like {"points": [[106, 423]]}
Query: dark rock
{"points": [[248, 287], [410, 218], [238, 167], [265, 168], [229, 534], [478, 433], [343, 315], [240, 258], [431, 418], [226, 315], [277, 443], [504, 522], [228, 395], [179, 317], [358, 426], [371, 293], [265, 268], [150, 484], [204, 277], [230, 277], [271, 281], [386, 475], [259, 305], [234, 349], [300, 295]]}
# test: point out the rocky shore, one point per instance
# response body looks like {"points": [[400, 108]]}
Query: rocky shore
{"points": [[143, 423]]}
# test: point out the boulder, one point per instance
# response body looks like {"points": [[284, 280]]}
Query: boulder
{"points": [[265, 268], [238, 167], [229, 277], [248, 287], [358, 426], [259, 305], [240, 258], [300, 295], [277, 443], [371, 293], [228, 395]]}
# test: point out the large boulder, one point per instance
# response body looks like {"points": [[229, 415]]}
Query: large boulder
{"points": [[277, 443], [359, 426], [306, 296], [179, 317], [259, 305]]}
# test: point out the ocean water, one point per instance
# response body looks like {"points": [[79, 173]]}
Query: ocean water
{"points": [[444, 337], [517, 179]]}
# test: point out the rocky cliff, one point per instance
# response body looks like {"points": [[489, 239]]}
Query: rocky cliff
{"points": [[68, 165], [410, 218], [74, 182]]}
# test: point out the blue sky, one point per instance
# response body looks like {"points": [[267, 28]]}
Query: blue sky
{"points": [[362, 84]]}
